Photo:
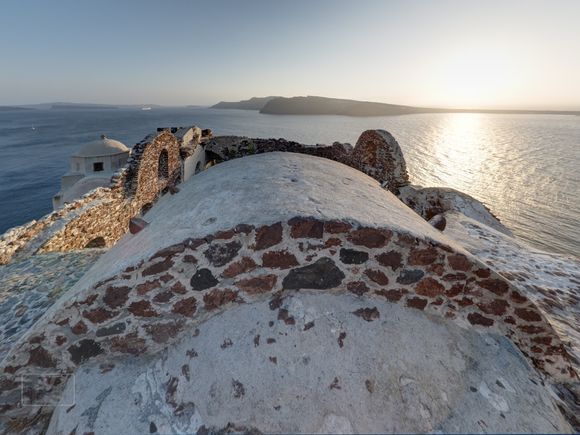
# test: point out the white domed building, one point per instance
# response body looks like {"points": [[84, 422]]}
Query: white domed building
{"points": [[91, 167]]}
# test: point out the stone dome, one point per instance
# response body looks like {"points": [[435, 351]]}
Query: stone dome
{"points": [[102, 147]]}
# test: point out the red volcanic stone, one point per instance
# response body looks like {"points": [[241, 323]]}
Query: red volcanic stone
{"points": [[422, 257], [496, 307], [429, 287], [116, 296], [258, 284], [142, 309], [60, 339], [455, 290], [418, 303], [392, 295], [216, 298], [377, 276], [79, 328], [156, 268], [137, 224], [89, 300], [464, 302], [436, 268], [459, 262], [163, 297], [130, 343], [99, 315], [189, 259], [368, 314], [497, 286], [454, 277], [518, 298], [357, 287], [333, 241], [40, 357], [301, 228], [279, 259], [220, 254], [224, 235], [178, 288], [162, 332], [147, 286], [483, 273], [337, 227], [268, 235], [370, 237], [392, 259], [166, 278], [186, 307], [170, 251], [542, 340], [531, 329], [529, 315], [478, 319], [245, 264], [510, 320]]}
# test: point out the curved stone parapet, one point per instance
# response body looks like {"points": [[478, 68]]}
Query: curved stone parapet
{"points": [[195, 260]]}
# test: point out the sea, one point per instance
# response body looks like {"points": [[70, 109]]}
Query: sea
{"points": [[525, 168]]}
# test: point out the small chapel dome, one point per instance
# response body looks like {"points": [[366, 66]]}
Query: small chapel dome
{"points": [[102, 147]]}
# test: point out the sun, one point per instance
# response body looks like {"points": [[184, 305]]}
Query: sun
{"points": [[475, 77]]}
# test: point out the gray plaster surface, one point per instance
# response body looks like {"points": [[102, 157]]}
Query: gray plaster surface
{"points": [[331, 371]]}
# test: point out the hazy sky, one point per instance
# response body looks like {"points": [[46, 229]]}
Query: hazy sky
{"points": [[431, 53]]}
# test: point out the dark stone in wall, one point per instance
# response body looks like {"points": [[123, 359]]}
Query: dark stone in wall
{"points": [[83, 350], [220, 254], [351, 256], [203, 279], [117, 328], [322, 274], [410, 276]]}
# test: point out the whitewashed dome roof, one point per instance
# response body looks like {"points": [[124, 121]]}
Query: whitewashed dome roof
{"points": [[102, 147]]}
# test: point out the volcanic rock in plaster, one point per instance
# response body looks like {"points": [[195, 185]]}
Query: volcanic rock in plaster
{"points": [[396, 371]]}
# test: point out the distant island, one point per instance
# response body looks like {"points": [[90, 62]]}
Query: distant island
{"points": [[313, 105], [13, 108], [255, 103], [74, 106]]}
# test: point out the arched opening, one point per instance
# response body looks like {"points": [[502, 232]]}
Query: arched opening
{"points": [[198, 168], [163, 165], [97, 242]]}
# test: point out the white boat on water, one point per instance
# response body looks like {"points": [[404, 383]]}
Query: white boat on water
{"points": [[146, 108]]}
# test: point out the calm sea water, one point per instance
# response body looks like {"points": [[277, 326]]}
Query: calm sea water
{"points": [[524, 167]]}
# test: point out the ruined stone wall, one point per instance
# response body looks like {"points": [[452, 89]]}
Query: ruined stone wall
{"points": [[107, 211], [376, 154], [151, 304]]}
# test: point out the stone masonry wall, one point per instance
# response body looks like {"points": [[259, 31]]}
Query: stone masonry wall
{"points": [[108, 210], [151, 304]]}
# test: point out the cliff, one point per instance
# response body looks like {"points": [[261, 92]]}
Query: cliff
{"points": [[313, 105], [255, 103], [290, 288]]}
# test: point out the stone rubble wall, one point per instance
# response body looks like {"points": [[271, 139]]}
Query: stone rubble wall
{"points": [[153, 303], [376, 154], [106, 211]]}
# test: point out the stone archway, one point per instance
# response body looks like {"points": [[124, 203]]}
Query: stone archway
{"points": [[97, 242], [163, 165]]}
